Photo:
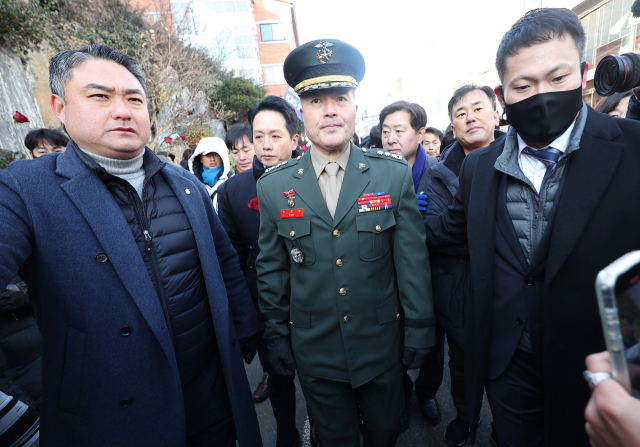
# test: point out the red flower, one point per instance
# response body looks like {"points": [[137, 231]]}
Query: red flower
{"points": [[183, 137], [20, 118], [254, 205], [167, 140], [197, 141], [304, 148]]}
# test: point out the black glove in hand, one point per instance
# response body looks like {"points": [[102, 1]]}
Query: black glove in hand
{"points": [[281, 357], [12, 298], [249, 346], [414, 358]]}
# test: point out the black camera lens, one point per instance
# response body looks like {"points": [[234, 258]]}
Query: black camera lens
{"points": [[617, 74]]}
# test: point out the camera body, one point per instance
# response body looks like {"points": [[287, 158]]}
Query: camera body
{"points": [[617, 74]]}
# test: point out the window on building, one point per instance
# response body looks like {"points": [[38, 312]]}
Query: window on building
{"points": [[153, 17], [182, 18], [272, 32], [251, 73], [609, 30], [222, 47], [244, 41], [194, 14], [273, 74]]}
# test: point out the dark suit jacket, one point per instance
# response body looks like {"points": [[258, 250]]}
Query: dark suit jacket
{"points": [[56, 216], [242, 223], [597, 221]]}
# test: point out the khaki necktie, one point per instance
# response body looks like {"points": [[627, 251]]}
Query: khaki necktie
{"points": [[333, 187]]}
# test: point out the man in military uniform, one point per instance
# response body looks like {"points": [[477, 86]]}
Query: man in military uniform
{"points": [[342, 259]]}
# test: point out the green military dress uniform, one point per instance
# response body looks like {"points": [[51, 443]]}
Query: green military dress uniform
{"points": [[360, 271], [350, 290]]}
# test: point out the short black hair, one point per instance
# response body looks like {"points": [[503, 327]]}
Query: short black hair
{"points": [[418, 116], [434, 131], [276, 104], [539, 26], [375, 137], [237, 133], [609, 103], [172, 157], [464, 90], [53, 137], [355, 139]]}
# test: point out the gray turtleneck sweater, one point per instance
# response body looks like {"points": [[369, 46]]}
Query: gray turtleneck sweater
{"points": [[128, 170]]}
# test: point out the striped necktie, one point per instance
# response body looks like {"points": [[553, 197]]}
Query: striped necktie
{"points": [[548, 156]]}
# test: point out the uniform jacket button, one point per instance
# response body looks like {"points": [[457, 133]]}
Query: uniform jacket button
{"points": [[336, 233], [346, 318], [343, 291], [126, 403], [378, 228], [519, 321], [339, 263], [530, 281], [126, 331], [102, 258]]}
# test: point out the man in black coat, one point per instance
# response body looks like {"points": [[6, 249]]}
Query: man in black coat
{"points": [[472, 111], [543, 211], [402, 127], [274, 124]]}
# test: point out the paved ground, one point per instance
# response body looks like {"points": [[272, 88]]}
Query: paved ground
{"points": [[419, 433]]}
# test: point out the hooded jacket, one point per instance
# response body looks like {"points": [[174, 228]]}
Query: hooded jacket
{"points": [[207, 146]]}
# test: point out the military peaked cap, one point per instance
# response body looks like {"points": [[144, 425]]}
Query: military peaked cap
{"points": [[322, 64]]}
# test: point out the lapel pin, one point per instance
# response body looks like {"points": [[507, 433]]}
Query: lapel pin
{"points": [[361, 165], [187, 191], [300, 171]]}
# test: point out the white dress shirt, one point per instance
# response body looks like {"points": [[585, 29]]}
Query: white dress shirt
{"points": [[533, 168]]}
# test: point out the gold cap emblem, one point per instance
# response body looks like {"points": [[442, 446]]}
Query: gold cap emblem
{"points": [[324, 53]]}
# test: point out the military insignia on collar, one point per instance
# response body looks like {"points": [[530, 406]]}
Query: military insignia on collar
{"points": [[397, 157], [380, 152], [361, 165], [324, 53], [276, 166]]}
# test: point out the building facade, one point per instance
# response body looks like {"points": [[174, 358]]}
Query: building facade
{"points": [[252, 38]]}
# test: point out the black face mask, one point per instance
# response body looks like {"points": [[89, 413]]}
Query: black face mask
{"points": [[545, 116]]}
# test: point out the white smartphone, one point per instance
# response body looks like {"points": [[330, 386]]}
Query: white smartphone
{"points": [[618, 291]]}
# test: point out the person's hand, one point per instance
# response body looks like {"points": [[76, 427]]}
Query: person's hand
{"points": [[249, 346], [281, 357], [414, 358], [12, 298], [422, 201], [612, 414]]}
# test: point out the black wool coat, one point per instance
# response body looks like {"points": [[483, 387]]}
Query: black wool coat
{"points": [[241, 223], [597, 222]]}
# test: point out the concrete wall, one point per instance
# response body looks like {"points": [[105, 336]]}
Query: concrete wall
{"points": [[15, 95]]}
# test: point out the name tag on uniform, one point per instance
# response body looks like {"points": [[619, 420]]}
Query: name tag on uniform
{"points": [[295, 212]]}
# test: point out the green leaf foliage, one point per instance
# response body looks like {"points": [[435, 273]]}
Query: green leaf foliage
{"points": [[24, 23], [238, 95]]}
